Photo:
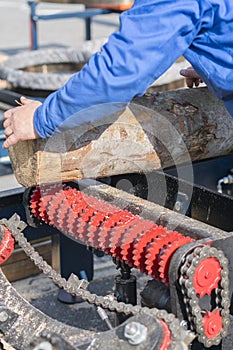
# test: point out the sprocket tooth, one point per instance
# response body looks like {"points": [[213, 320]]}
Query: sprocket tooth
{"points": [[61, 216], [34, 202], [71, 227], [117, 234], [130, 236], [166, 255], [141, 242], [53, 210], [74, 220], [97, 219], [46, 197], [153, 250], [94, 227], [117, 219], [81, 223], [83, 231], [53, 205], [92, 236]]}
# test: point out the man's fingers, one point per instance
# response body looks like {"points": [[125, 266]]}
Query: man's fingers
{"points": [[8, 113], [10, 141], [189, 82], [8, 131], [6, 123], [189, 73], [25, 101]]}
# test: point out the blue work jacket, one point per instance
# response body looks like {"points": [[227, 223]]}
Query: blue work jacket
{"points": [[151, 36]]}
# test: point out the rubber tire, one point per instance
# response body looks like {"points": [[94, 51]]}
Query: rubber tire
{"points": [[11, 69]]}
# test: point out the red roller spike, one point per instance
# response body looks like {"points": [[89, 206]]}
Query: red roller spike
{"points": [[140, 243], [153, 249], [94, 228], [118, 233], [129, 238], [166, 255], [116, 220], [34, 202], [47, 194]]}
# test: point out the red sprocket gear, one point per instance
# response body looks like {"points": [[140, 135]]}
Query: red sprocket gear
{"points": [[154, 248], [118, 233], [7, 244], [46, 196], [40, 199], [141, 242], [166, 255], [212, 322], [206, 277], [166, 338], [116, 220], [127, 240]]}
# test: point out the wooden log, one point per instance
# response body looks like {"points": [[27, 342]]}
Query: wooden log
{"points": [[156, 131]]}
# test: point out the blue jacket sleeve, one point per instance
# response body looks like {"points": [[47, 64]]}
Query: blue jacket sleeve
{"points": [[152, 35]]}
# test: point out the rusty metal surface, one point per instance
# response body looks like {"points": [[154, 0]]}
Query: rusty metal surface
{"points": [[152, 211], [26, 322]]}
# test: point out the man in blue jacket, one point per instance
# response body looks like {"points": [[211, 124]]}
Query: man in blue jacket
{"points": [[152, 35]]}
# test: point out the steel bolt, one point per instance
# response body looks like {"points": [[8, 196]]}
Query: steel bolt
{"points": [[184, 324], [45, 345], [3, 316], [178, 206], [135, 332]]}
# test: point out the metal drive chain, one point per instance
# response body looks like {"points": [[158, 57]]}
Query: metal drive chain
{"points": [[194, 312], [180, 337]]}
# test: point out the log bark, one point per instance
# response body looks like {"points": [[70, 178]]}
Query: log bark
{"points": [[156, 131]]}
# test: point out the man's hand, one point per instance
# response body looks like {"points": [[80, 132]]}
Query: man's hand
{"points": [[19, 124], [192, 78]]}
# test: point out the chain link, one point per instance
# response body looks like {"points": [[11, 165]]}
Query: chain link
{"points": [[178, 333], [191, 300]]}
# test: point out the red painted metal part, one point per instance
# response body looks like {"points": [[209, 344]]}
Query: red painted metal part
{"points": [[140, 243], [166, 255], [167, 337], [212, 322], [207, 275], [7, 245]]}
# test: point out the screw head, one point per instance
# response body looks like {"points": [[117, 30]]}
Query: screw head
{"points": [[131, 329], [135, 333], [3, 316], [44, 345], [178, 206]]}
